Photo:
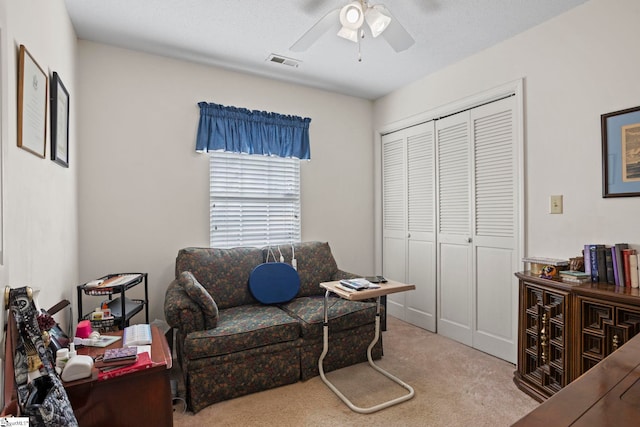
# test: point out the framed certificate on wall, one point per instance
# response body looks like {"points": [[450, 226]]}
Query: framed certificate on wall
{"points": [[32, 105]]}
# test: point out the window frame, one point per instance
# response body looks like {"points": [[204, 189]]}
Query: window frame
{"points": [[243, 188]]}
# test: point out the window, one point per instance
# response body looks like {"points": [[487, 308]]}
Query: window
{"points": [[254, 200]]}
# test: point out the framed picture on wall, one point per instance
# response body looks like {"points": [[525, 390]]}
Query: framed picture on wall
{"points": [[32, 105], [621, 153], [59, 121]]}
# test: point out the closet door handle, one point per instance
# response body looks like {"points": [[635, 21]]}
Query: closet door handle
{"points": [[469, 240]]}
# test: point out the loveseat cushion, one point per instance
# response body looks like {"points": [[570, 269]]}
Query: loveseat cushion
{"points": [[224, 273], [200, 295], [315, 264], [343, 314], [241, 328]]}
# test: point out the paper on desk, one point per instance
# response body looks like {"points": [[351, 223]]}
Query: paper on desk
{"points": [[143, 348]]}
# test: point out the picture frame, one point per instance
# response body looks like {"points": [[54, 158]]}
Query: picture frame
{"points": [[32, 104], [59, 121], [621, 153]]}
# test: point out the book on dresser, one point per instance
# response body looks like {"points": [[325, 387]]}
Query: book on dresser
{"points": [[142, 362], [134, 335], [102, 365], [633, 269], [573, 276], [609, 265], [602, 263], [614, 260], [591, 263], [619, 262], [626, 265]]}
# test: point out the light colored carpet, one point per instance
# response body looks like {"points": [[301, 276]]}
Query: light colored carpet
{"points": [[455, 385]]}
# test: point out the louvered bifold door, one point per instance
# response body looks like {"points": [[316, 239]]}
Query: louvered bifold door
{"points": [[394, 214], [421, 235], [454, 262], [495, 228]]}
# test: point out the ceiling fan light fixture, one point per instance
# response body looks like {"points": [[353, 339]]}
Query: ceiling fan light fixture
{"points": [[349, 34], [377, 21], [352, 16]]}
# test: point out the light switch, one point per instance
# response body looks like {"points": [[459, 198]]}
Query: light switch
{"points": [[555, 204]]}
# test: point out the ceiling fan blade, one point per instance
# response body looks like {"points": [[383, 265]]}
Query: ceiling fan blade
{"points": [[330, 20], [395, 34]]}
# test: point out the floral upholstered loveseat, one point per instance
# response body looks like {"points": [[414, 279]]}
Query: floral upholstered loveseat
{"points": [[229, 344]]}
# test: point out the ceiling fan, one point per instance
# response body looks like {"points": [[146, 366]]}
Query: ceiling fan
{"points": [[351, 20]]}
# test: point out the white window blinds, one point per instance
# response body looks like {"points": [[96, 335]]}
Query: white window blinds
{"points": [[254, 200]]}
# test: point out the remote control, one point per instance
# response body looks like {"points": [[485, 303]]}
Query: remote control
{"points": [[352, 285]]}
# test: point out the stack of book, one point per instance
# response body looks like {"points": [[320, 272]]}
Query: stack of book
{"points": [[113, 357], [537, 264], [143, 362], [617, 264], [573, 276]]}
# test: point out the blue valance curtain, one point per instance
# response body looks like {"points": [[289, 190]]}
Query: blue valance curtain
{"points": [[239, 130]]}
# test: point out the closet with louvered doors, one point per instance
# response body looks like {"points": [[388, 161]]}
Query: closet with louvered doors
{"points": [[478, 227], [451, 225]]}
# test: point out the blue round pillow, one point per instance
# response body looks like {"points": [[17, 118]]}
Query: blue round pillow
{"points": [[274, 282]]}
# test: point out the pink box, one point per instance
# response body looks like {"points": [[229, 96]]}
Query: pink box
{"points": [[84, 329]]}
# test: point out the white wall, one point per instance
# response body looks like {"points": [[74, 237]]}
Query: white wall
{"points": [[144, 191], [38, 196], [38, 200], [576, 67]]}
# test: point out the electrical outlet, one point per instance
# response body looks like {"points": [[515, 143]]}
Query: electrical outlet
{"points": [[555, 204]]}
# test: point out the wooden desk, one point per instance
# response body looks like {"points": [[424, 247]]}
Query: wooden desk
{"points": [[387, 288], [606, 395], [139, 398]]}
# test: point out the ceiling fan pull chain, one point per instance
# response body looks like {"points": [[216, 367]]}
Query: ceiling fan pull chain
{"points": [[359, 49]]}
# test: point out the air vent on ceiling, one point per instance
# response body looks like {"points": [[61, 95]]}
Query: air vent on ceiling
{"points": [[279, 59]]}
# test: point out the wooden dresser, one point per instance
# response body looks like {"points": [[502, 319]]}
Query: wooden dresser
{"points": [[607, 395], [566, 329], [135, 399]]}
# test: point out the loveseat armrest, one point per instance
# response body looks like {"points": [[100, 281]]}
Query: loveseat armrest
{"points": [[181, 312]]}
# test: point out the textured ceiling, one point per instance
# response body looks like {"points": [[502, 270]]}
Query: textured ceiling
{"points": [[241, 34]]}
